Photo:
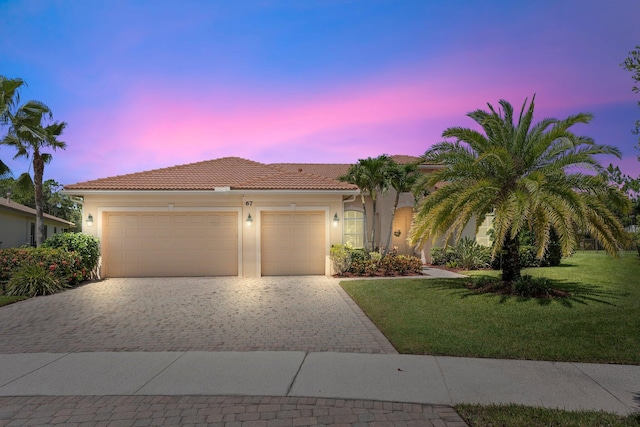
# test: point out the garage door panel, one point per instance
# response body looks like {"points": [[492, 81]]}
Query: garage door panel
{"points": [[171, 244], [292, 243]]}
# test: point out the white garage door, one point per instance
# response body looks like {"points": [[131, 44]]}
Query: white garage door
{"points": [[147, 244], [292, 243]]}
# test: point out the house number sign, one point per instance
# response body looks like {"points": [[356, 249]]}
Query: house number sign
{"points": [[248, 203]]}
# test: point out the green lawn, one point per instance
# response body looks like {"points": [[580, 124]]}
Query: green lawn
{"points": [[599, 322], [522, 416], [5, 300]]}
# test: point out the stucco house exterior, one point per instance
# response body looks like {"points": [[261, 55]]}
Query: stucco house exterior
{"points": [[18, 224], [231, 217]]}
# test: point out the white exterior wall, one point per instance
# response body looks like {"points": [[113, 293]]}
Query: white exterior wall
{"points": [[254, 203]]}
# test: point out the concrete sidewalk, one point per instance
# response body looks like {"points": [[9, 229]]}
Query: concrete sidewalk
{"points": [[395, 378]]}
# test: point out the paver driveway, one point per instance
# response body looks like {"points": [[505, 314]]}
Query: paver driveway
{"points": [[181, 314]]}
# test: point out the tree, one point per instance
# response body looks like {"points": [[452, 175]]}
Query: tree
{"points": [[401, 178], [529, 176], [631, 188], [53, 201], [9, 98], [29, 136], [370, 175], [632, 64]]}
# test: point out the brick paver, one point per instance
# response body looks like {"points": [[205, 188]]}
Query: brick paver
{"points": [[218, 411], [192, 314]]}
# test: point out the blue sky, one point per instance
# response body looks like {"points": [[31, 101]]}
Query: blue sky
{"points": [[148, 84]]}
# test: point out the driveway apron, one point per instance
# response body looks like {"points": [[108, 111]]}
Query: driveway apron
{"points": [[309, 313]]}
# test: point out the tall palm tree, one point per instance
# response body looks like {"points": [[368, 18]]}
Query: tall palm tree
{"points": [[372, 180], [9, 98], [401, 178], [528, 176], [355, 175], [29, 137]]}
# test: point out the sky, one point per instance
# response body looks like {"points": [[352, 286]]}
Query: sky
{"points": [[145, 84]]}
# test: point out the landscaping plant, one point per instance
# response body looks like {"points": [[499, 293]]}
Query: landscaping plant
{"points": [[32, 280], [88, 247], [348, 261], [529, 176]]}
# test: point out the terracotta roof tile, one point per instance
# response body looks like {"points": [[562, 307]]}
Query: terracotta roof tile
{"points": [[233, 172], [336, 170]]}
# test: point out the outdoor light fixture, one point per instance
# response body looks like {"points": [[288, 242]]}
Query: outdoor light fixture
{"points": [[89, 220], [335, 219], [249, 219]]}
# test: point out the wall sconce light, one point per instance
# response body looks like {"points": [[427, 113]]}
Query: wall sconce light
{"points": [[335, 219], [397, 233], [249, 219], [89, 220]]}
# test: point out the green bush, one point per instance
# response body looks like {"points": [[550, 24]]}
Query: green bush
{"points": [[31, 280], [359, 262], [466, 254], [438, 256], [472, 256], [553, 255], [88, 247], [65, 265], [340, 256]]}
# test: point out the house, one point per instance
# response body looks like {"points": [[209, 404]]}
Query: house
{"points": [[18, 224], [230, 217]]}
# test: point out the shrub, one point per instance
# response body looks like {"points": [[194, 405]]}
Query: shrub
{"points": [[32, 280], [88, 247], [340, 256], [470, 255], [553, 255], [438, 256], [359, 262], [63, 264], [466, 254]]}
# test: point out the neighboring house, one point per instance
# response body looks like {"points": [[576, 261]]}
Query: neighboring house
{"points": [[18, 224], [231, 217]]}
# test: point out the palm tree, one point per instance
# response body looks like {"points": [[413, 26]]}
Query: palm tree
{"points": [[528, 176], [9, 98], [29, 137], [370, 175], [356, 176], [401, 178]]}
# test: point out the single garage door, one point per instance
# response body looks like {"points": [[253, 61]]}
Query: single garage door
{"points": [[292, 243], [147, 244]]}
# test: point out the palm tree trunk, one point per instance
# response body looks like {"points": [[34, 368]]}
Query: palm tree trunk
{"points": [[393, 215], [373, 226], [38, 172], [511, 261], [364, 223]]}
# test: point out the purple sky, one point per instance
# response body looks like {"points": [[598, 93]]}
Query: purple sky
{"points": [[147, 84]]}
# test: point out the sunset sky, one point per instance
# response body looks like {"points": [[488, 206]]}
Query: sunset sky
{"points": [[147, 84]]}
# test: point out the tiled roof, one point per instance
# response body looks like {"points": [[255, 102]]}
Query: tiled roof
{"points": [[336, 170], [11, 205], [233, 172], [330, 170]]}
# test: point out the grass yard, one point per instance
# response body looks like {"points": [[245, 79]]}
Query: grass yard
{"points": [[5, 300], [523, 416], [599, 322]]}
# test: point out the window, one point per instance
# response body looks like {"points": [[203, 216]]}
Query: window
{"points": [[353, 231]]}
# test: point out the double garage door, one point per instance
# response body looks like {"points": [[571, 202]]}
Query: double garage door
{"points": [[147, 244], [151, 244]]}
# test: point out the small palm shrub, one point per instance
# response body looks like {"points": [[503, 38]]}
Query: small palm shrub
{"points": [[88, 247], [32, 280]]}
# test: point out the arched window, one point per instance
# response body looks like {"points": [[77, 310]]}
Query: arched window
{"points": [[353, 231]]}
